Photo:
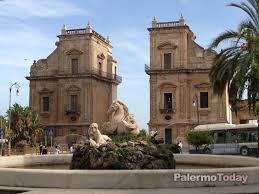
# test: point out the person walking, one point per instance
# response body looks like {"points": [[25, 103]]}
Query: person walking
{"points": [[180, 145], [44, 150], [40, 148], [71, 149], [56, 150]]}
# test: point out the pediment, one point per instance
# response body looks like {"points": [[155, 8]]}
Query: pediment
{"points": [[101, 56], [45, 91], [73, 88], [167, 85], [202, 85], [167, 45], [74, 52]]}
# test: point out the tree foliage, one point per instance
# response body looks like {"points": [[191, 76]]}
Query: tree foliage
{"points": [[25, 124], [237, 64], [198, 138]]}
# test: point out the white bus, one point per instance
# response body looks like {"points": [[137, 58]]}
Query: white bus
{"points": [[231, 138]]}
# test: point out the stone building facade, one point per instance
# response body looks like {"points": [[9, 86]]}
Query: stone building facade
{"points": [[75, 85], [181, 95], [243, 114]]}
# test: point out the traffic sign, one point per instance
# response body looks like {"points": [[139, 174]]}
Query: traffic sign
{"points": [[50, 131]]}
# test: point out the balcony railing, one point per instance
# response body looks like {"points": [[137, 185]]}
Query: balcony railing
{"points": [[147, 67], [167, 110], [84, 31], [75, 110], [105, 74], [167, 24], [75, 31]]}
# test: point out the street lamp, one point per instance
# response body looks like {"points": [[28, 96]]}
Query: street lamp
{"points": [[195, 102], [17, 87]]}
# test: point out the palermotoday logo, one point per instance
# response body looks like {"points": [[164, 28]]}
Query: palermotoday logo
{"points": [[187, 177]]}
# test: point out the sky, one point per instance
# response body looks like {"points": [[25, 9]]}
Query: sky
{"points": [[29, 29]]}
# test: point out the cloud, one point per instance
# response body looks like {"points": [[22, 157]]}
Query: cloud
{"points": [[131, 44], [22, 9], [20, 41]]}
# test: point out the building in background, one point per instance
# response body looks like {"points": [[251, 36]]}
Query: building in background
{"points": [[243, 115], [181, 95], [75, 85]]}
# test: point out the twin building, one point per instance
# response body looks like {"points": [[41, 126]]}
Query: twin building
{"points": [[75, 85]]}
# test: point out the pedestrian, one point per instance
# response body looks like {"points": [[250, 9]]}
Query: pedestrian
{"points": [[180, 145], [44, 150], [40, 148], [71, 149], [56, 150]]}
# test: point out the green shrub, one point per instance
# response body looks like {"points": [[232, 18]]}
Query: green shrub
{"points": [[168, 147], [199, 138], [125, 137]]}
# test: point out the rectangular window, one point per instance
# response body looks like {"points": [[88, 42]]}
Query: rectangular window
{"points": [[45, 104], [167, 60], [220, 137], [74, 66], [204, 100], [168, 100], [100, 68], [73, 102]]}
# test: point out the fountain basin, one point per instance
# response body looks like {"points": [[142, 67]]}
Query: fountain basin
{"points": [[123, 179]]}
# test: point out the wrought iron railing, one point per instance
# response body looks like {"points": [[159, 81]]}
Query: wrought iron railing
{"points": [[105, 74], [147, 67], [167, 110], [73, 110]]}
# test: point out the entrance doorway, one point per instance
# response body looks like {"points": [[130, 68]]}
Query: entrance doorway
{"points": [[168, 136]]}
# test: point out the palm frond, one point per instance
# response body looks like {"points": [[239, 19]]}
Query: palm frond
{"points": [[248, 10], [225, 36]]}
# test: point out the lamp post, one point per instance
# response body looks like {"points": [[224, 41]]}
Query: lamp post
{"points": [[17, 86], [195, 102]]}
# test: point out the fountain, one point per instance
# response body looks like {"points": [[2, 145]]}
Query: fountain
{"points": [[26, 171]]}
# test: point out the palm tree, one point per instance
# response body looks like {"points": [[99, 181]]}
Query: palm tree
{"points": [[31, 122], [25, 124], [237, 65]]}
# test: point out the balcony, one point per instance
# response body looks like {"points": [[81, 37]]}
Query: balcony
{"points": [[167, 110], [92, 72], [105, 74], [76, 110], [147, 68]]}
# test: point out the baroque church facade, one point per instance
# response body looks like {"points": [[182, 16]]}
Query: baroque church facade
{"points": [[181, 95], [75, 85]]}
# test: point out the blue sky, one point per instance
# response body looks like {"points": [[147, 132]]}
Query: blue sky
{"points": [[28, 30]]}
